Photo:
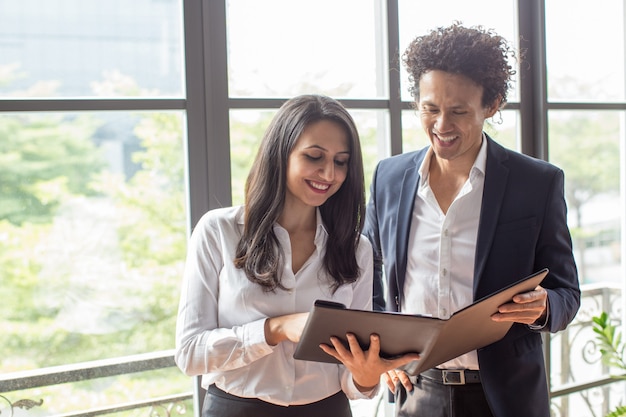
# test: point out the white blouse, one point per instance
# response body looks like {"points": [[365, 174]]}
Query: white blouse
{"points": [[220, 327]]}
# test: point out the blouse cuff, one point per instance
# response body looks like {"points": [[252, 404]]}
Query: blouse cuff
{"points": [[358, 395], [255, 336]]}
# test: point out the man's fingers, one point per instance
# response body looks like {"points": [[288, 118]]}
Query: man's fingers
{"points": [[538, 294], [405, 381], [395, 377], [529, 308], [389, 381]]}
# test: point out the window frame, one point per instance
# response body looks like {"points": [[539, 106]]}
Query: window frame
{"points": [[207, 102]]}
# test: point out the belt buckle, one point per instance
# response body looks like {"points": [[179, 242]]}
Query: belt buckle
{"points": [[453, 377]]}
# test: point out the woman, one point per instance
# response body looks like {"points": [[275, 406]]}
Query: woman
{"points": [[253, 272]]}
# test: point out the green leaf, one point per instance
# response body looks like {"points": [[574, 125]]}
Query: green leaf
{"points": [[618, 412]]}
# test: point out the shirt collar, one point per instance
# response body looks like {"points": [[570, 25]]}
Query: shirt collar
{"points": [[320, 229], [481, 159]]}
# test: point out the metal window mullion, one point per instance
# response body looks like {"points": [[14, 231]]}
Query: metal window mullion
{"points": [[395, 100], [217, 118], [208, 144], [196, 145], [533, 100], [533, 90], [90, 104]]}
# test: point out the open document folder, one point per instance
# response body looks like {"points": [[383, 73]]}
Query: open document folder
{"points": [[436, 340]]}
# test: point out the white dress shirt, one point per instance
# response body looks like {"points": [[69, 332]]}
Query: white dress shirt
{"points": [[441, 250], [220, 327]]}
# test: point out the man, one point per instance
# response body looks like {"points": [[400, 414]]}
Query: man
{"points": [[463, 218]]}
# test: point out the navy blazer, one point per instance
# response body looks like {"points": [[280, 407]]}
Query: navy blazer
{"points": [[522, 228]]}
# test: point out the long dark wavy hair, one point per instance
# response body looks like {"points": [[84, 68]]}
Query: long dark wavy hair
{"points": [[258, 252]]}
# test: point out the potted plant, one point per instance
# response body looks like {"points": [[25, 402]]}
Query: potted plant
{"points": [[612, 350]]}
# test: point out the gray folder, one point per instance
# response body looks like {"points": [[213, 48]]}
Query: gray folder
{"points": [[436, 340]]}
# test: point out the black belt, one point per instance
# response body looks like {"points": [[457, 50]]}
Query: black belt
{"points": [[452, 376]]}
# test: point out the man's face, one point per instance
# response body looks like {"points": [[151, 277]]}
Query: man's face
{"points": [[452, 114]]}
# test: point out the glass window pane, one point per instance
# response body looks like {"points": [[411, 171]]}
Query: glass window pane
{"points": [[585, 50], [503, 128], [413, 135], [282, 48], [417, 19], [373, 128], [85, 48], [246, 131], [93, 233], [587, 146]]}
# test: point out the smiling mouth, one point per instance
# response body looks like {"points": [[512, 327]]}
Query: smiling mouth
{"points": [[318, 186], [446, 139]]}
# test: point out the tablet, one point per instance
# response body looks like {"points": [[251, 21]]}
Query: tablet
{"points": [[436, 340]]}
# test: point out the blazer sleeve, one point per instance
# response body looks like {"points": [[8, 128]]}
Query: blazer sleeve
{"points": [[554, 249]]}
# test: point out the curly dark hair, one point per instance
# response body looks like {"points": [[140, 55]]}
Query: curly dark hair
{"points": [[477, 53]]}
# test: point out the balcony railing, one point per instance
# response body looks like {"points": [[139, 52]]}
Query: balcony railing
{"points": [[580, 383], [12, 403]]}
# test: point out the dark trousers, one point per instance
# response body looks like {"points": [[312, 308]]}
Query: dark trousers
{"points": [[218, 403], [432, 399]]}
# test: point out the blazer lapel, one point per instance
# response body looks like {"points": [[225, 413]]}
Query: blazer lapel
{"points": [[410, 182], [496, 174]]}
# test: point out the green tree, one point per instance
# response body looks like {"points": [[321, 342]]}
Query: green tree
{"points": [[151, 228], [44, 159], [587, 149], [245, 136]]}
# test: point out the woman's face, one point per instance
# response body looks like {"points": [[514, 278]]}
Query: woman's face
{"points": [[318, 164]]}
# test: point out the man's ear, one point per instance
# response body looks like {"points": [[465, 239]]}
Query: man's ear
{"points": [[492, 108]]}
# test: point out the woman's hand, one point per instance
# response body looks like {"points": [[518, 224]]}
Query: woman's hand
{"points": [[366, 366], [281, 328]]}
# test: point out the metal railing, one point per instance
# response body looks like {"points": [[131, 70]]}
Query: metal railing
{"points": [[11, 384], [580, 384]]}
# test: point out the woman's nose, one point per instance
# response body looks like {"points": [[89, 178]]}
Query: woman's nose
{"points": [[327, 172]]}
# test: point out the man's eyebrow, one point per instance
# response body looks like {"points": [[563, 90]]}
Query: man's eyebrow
{"points": [[454, 107]]}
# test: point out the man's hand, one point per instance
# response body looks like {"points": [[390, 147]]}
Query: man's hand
{"points": [[366, 366], [395, 376], [526, 308]]}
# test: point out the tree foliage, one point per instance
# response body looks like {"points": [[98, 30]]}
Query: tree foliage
{"points": [[587, 149], [44, 159]]}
